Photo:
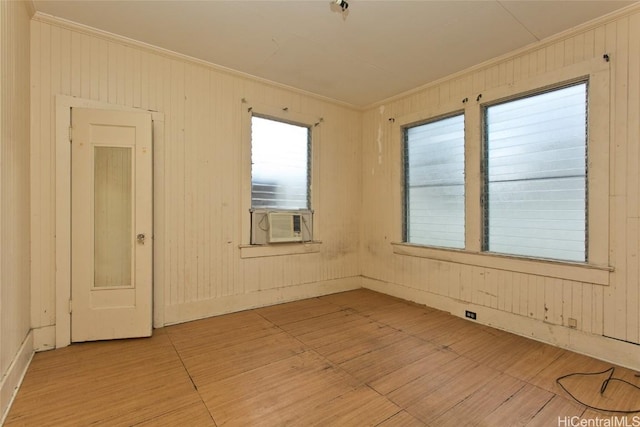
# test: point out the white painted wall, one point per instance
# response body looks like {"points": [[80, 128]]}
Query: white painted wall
{"points": [[16, 346], [201, 266], [531, 298]]}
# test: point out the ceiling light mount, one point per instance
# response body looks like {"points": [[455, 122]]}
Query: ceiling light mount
{"points": [[342, 3]]}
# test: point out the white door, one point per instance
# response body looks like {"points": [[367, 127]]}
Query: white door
{"points": [[111, 225]]}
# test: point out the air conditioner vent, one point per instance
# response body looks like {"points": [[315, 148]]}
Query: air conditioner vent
{"points": [[284, 227]]}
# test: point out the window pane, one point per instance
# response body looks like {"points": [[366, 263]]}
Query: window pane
{"points": [[279, 165], [536, 175], [434, 183]]}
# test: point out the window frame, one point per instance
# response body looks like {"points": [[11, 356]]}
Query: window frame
{"points": [[243, 224], [484, 199], [309, 150], [597, 269], [404, 128]]}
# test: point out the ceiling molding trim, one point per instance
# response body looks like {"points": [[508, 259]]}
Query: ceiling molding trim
{"points": [[105, 35], [31, 8], [571, 32]]}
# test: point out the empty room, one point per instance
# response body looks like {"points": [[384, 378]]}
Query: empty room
{"points": [[322, 212]]}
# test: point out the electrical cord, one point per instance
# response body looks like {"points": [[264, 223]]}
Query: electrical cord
{"points": [[603, 388], [262, 221], [306, 226]]}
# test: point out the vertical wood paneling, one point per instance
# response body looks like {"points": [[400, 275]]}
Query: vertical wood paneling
{"points": [[634, 106], [76, 65], [567, 302], [615, 321], [136, 78], [215, 194], [633, 195], [112, 75], [34, 154], [201, 192], [597, 310], [505, 292], [610, 310], [576, 304], [42, 163], [144, 81], [65, 61], [14, 189], [177, 183], [631, 297], [190, 166], [56, 59], [85, 66], [119, 71], [198, 178], [230, 125]]}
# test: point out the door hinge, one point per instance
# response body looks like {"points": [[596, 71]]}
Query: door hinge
{"points": [[70, 134], [70, 306]]}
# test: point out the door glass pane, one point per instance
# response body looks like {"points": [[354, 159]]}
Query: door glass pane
{"points": [[112, 217]]}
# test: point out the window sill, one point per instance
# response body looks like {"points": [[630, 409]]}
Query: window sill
{"points": [[586, 273], [279, 249]]}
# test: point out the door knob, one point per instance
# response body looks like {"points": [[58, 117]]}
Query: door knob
{"points": [[140, 237]]}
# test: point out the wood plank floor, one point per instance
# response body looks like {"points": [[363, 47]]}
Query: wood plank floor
{"points": [[357, 358]]}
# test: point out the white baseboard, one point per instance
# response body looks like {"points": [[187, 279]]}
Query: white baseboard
{"points": [[610, 350], [198, 310], [14, 375], [44, 338]]}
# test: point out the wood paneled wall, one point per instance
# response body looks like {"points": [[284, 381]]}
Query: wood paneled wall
{"points": [[198, 228], [612, 310], [14, 195], [201, 267]]}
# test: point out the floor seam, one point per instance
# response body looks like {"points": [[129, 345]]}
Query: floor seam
{"points": [[195, 387]]}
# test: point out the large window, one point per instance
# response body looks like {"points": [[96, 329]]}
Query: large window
{"points": [[279, 164], [535, 191], [434, 183]]}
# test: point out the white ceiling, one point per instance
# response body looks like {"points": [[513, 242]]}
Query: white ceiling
{"points": [[373, 51]]}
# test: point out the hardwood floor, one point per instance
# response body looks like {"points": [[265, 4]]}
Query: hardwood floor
{"points": [[351, 359]]}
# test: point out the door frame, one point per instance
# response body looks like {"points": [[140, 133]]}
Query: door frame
{"points": [[64, 104]]}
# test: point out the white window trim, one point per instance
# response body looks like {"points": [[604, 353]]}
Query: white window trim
{"points": [[399, 125], [597, 270], [284, 114]]}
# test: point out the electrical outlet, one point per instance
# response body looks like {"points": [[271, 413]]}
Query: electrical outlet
{"points": [[573, 323], [470, 314]]}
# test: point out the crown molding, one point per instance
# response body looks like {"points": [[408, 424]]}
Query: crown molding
{"points": [[108, 36], [31, 8], [564, 35]]}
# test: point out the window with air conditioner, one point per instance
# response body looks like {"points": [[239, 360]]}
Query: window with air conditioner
{"points": [[280, 159], [280, 181]]}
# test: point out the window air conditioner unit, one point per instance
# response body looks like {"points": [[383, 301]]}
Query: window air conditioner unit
{"points": [[286, 223], [285, 227]]}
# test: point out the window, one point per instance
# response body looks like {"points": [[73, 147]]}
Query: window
{"points": [[279, 164], [434, 183], [535, 189]]}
